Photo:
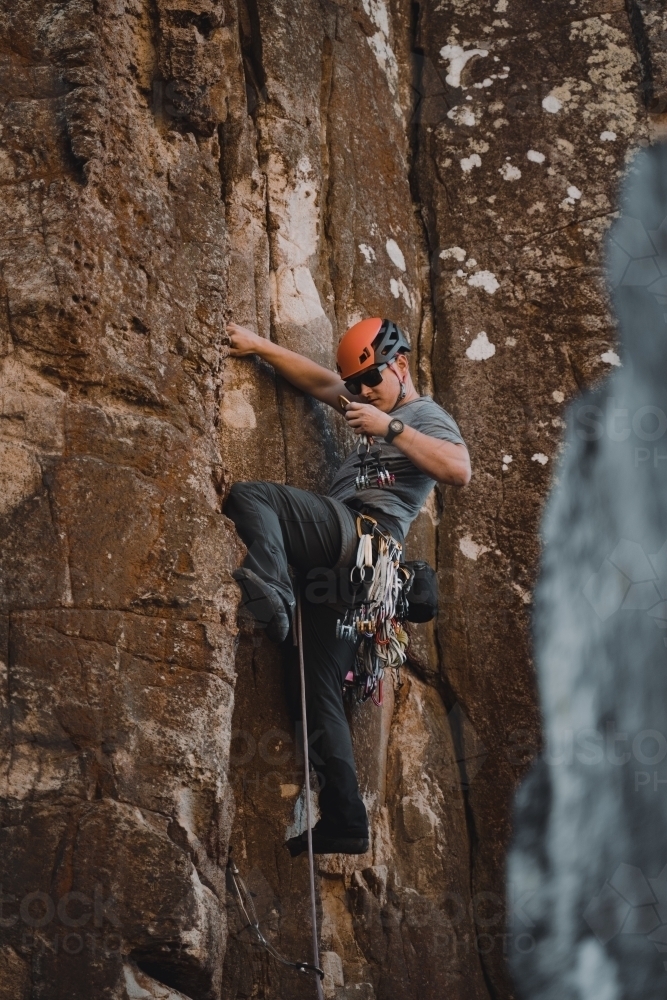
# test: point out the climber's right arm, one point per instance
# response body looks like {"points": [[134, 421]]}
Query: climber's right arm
{"points": [[303, 373]]}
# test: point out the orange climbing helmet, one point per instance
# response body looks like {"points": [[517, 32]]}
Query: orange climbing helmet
{"points": [[367, 344]]}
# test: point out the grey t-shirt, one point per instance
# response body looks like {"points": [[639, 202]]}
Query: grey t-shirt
{"points": [[407, 496]]}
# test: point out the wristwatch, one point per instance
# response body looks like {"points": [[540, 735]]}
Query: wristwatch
{"points": [[396, 427]]}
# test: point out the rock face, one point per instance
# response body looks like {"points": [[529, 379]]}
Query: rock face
{"points": [[163, 167], [589, 860]]}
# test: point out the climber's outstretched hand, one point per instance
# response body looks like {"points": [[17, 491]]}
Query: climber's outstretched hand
{"points": [[243, 341], [364, 418], [303, 373]]}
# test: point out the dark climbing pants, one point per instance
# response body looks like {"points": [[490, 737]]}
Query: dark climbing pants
{"points": [[281, 527]]}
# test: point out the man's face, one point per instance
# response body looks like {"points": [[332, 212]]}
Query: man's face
{"points": [[385, 395]]}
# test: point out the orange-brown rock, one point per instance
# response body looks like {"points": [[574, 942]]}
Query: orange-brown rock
{"points": [[163, 167]]}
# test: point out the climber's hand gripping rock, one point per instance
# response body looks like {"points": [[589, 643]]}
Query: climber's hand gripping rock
{"points": [[242, 341]]}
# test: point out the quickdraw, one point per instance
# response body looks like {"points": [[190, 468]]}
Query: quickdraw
{"points": [[238, 889], [377, 619], [371, 471]]}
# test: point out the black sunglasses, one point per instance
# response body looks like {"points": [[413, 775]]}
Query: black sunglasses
{"points": [[370, 378]]}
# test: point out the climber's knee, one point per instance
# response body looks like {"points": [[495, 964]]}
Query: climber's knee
{"points": [[237, 501]]}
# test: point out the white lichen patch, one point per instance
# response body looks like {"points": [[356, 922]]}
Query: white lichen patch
{"points": [[471, 549], [380, 45], [573, 195], [236, 411], [368, 252], [458, 253], [486, 280], [295, 296], [462, 115], [398, 288], [558, 396], [379, 15], [419, 819], [552, 104], [185, 813], [500, 7], [395, 254], [534, 156], [507, 459], [293, 207], [457, 58], [468, 162], [611, 358], [539, 457], [608, 136], [508, 172], [612, 73], [524, 594], [481, 349]]}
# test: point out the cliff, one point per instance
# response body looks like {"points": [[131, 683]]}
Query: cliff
{"points": [[163, 168]]}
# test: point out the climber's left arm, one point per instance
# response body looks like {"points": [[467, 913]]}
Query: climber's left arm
{"points": [[443, 461]]}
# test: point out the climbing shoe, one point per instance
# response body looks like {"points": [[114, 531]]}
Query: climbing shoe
{"points": [[264, 604], [323, 844]]}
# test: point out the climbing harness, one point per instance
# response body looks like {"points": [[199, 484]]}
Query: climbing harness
{"points": [[235, 883], [379, 612], [371, 470]]}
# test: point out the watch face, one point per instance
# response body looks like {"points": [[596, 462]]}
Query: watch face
{"points": [[395, 426]]}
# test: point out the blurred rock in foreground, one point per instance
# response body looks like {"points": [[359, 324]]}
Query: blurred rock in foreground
{"points": [[588, 871]]}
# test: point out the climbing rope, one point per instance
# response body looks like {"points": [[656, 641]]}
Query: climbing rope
{"points": [[309, 818], [235, 883]]}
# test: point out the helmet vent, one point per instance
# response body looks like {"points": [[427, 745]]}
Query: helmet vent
{"points": [[366, 354]]}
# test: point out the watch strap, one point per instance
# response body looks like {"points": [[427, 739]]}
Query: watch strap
{"points": [[391, 434]]}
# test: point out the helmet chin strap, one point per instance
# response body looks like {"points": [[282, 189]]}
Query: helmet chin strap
{"points": [[401, 382]]}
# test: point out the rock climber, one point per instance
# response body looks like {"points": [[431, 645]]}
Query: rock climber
{"points": [[281, 526]]}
